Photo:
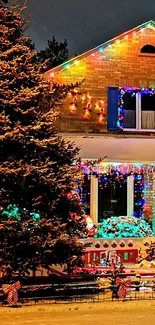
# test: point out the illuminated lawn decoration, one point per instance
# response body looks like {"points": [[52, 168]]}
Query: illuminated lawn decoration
{"points": [[120, 227]]}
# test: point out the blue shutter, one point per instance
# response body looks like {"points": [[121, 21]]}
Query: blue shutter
{"points": [[112, 108]]}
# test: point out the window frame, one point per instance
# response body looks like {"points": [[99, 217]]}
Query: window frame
{"points": [[138, 117]]}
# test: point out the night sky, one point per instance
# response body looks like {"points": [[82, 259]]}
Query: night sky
{"points": [[85, 23]]}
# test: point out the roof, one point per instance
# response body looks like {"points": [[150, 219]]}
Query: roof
{"points": [[114, 149], [101, 47]]}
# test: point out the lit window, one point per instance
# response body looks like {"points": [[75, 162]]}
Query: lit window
{"points": [[126, 256], [94, 257], [131, 255], [139, 109]]}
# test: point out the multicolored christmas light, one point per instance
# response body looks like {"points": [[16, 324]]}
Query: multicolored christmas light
{"points": [[133, 92], [116, 174]]}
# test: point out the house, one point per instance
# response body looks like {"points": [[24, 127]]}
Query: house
{"points": [[111, 116]]}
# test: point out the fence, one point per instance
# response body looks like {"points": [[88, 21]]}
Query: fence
{"points": [[144, 293]]}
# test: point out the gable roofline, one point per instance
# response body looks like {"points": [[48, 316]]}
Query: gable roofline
{"points": [[101, 47]]}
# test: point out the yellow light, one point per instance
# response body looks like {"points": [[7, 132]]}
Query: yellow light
{"points": [[134, 34], [76, 62], [126, 37], [118, 42], [52, 74]]}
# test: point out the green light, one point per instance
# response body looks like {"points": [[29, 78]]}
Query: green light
{"points": [[13, 211], [120, 227], [67, 66]]}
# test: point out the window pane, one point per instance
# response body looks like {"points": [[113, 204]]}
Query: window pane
{"points": [[129, 111], [126, 257], [148, 111], [94, 257], [112, 195], [131, 255]]}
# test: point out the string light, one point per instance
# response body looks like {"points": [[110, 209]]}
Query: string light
{"points": [[67, 66], [116, 175], [120, 100], [101, 49]]}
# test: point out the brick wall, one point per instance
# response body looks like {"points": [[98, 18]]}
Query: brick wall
{"points": [[122, 64]]}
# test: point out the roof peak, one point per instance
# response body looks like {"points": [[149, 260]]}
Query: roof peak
{"points": [[148, 24]]}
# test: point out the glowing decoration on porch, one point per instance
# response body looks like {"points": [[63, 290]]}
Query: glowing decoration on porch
{"points": [[109, 174], [120, 227], [138, 195]]}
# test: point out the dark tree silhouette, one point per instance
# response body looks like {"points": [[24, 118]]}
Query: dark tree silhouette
{"points": [[55, 53]]}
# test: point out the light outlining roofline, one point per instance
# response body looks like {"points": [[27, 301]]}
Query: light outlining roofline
{"points": [[63, 66]]}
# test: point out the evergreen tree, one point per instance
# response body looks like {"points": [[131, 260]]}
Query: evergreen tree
{"points": [[36, 172], [55, 53]]}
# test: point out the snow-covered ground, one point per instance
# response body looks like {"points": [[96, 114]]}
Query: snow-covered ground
{"points": [[114, 149], [112, 313]]}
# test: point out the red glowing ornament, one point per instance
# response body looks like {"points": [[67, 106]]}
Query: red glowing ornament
{"points": [[101, 115], [87, 109], [73, 105]]}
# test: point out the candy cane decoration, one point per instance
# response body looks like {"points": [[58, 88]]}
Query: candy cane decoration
{"points": [[73, 105], [87, 109], [12, 291], [101, 114]]}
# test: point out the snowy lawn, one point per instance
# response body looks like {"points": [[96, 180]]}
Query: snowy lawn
{"points": [[112, 313]]}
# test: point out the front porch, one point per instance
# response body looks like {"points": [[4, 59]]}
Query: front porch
{"points": [[118, 176]]}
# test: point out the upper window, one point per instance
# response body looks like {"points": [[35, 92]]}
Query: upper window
{"points": [[139, 111], [148, 49], [131, 109]]}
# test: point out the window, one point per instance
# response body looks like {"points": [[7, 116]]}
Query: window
{"points": [[94, 257], [112, 195], [131, 256], [131, 109], [126, 256], [148, 49], [139, 110]]}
